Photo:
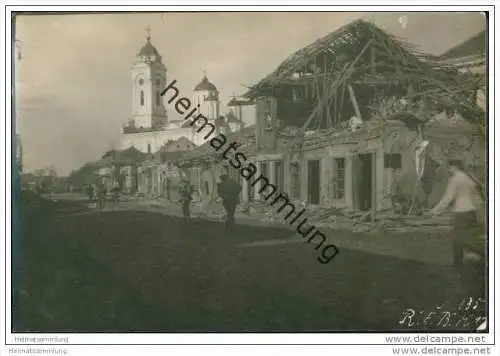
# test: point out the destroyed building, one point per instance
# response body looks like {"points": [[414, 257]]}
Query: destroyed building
{"points": [[356, 120]]}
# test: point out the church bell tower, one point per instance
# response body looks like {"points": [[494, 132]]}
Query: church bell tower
{"points": [[149, 76]]}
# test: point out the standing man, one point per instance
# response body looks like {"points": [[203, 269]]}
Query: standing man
{"points": [[167, 187], [90, 192], [116, 193], [186, 195], [102, 192], [462, 194], [229, 190]]}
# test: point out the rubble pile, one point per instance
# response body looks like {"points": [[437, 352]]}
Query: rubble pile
{"points": [[324, 216], [212, 210], [385, 221], [263, 211], [352, 220]]}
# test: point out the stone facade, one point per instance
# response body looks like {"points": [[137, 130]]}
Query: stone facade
{"points": [[354, 170]]}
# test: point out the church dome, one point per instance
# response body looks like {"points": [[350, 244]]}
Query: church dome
{"points": [[148, 50], [205, 85]]}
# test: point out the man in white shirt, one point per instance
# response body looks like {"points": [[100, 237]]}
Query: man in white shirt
{"points": [[462, 194]]}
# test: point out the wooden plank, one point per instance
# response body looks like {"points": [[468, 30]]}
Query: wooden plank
{"points": [[393, 53], [319, 115], [372, 57], [423, 73], [341, 106], [354, 101], [395, 48], [311, 116], [328, 112], [273, 114], [381, 41], [336, 113], [344, 74], [399, 50]]}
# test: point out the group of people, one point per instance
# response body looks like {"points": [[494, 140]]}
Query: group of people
{"points": [[227, 189], [461, 197], [98, 192]]}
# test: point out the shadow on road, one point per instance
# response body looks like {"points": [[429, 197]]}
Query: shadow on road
{"points": [[139, 271]]}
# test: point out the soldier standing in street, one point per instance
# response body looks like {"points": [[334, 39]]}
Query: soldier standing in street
{"points": [[186, 195], [229, 190]]}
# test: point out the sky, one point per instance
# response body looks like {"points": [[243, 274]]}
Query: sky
{"points": [[74, 85]]}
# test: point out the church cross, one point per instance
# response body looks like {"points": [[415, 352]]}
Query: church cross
{"points": [[148, 31]]}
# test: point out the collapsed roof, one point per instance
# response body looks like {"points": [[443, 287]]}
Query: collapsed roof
{"points": [[361, 63]]}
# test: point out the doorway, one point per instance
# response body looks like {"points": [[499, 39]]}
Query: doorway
{"points": [[313, 181], [295, 180], [264, 169], [278, 174], [251, 192], [363, 181]]}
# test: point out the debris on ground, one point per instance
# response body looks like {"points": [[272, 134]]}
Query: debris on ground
{"points": [[353, 220], [332, 217]]}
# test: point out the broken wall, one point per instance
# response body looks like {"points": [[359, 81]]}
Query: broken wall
{"points": [[446, 141], [388, 181], [326, 156]]}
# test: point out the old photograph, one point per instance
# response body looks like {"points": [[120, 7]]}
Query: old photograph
{"points": [[250, 172]]}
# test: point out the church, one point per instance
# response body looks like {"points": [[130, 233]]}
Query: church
{"points": [[149, 128]]}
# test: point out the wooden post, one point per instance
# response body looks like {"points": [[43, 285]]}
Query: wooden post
{"points": [[314, 112], [345, 73], [341, 104], [332, 98], [372, 57], [320, 102], [329, 114], [259, 120], [240, 116], [354, 101], [273, 112]]}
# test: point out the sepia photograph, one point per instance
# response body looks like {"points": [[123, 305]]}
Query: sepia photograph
{"points": [[250, 172]]}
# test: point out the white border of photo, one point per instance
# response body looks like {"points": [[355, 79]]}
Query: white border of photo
{"points": [[346, 343]]}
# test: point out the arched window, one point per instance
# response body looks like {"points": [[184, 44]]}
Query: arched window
{"points": [[149, 148], [142, 97], [158, 98]]}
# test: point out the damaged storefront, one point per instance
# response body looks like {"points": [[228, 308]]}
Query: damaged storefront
{"points": [[368, 122], [357, 122]]}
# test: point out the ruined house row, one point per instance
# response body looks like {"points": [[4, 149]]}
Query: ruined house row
{"points": [[320, 140]]}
